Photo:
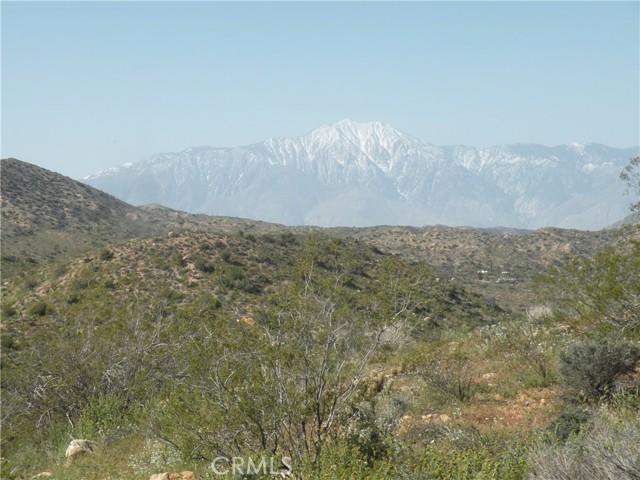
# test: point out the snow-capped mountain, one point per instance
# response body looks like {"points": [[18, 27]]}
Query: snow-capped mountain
{"points": [[362, 174]]}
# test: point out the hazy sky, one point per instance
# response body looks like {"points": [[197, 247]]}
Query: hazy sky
{"points": [[87, 85]]}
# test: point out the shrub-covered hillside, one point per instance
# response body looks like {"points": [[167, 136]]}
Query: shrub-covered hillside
{"points": [[323, 353], [145, 325], [165, 342]]}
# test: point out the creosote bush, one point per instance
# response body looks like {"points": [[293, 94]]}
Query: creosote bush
{"points": [[452, 376], [589, 369]]}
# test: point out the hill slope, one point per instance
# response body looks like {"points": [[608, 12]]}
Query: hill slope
{"points": [[45, 215], [195, 337]]}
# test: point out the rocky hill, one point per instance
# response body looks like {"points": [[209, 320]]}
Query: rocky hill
{"points": [[48, 217]]}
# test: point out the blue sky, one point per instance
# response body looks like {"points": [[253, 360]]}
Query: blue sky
{"points": [[87, 85]]}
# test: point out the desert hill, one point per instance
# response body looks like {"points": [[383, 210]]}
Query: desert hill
{"points": [[382, 352], [47, 217]]}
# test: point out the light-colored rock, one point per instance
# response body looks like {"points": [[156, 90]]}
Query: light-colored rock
{"points": [[42, 475], [78, 448], [186, 475], [159, 476], [430, 417], [444, 418]]}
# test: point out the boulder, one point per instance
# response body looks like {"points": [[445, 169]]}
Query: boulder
{"points": [[159, 476], [78, 448], [186, 475]]}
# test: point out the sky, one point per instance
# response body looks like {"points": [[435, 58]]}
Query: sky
{"points": [[87, 85]]}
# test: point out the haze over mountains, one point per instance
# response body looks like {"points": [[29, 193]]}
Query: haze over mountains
{"points": [[364, 174]]}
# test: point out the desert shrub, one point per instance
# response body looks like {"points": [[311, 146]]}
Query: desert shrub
{"points": [[106, 254], [205, 247], [104, 415], [530, 340], [7, 341], [570, 421], [177, 260], [154, 456], [442, 459], [608, 449], [453, 453], [602, 290], [287, 238], [73, 298], [38, 308], [269, 238], [204, 265], [451, 376], [84, 279], [30, 282], [589, 369], [87, 375], [226, 256], [8, 310], [373, 424], [337, 460], [477, 463], [285, 379]]}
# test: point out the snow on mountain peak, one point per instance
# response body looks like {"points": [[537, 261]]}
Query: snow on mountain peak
{"points": [[369, 170], [357, 132]]}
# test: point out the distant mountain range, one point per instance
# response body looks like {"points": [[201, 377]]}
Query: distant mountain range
{"points": [[364, 174]]}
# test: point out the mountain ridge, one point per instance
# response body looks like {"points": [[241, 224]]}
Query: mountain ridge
{"points": [[365, 174], [36, 197]]}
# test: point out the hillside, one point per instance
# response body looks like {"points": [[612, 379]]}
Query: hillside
{"points": [[498, 263], [168, 338], [127, 345], [46, 215]]}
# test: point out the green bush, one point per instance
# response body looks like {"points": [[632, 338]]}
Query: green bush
{"points": [[570, 421], [451, 377], [372, 427], [177, 260], [102, 416], [106, 254], [8, 310], [7, 342], [204, 265], [589, 369], [38, 308]]}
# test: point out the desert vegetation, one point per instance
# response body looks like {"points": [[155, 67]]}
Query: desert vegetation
{"points": [[171, 351], [331, 354]]}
